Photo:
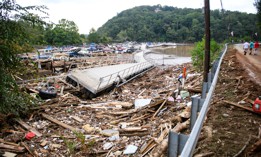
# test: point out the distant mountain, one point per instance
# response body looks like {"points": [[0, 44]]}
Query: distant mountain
{"points": [[166, 23]]}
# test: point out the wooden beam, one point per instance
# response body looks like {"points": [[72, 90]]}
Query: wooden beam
{"points": [[58, 122], [240, 106], [166, 98], [28, 127], [12, 148]]}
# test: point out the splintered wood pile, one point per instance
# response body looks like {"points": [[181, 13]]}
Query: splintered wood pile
{"points": [[132, 119]]}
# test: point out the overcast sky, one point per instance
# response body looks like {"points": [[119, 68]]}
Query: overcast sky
{"points": [[89, 14]]}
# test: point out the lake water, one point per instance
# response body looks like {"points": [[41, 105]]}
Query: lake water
{"points": [[170, 55]]}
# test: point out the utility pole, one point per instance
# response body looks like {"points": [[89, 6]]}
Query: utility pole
{"points": [[207, 41]]}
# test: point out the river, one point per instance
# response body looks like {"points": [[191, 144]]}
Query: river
{"points": [[169, 55]]}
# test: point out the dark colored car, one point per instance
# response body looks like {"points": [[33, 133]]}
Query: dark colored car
{"points": [[131, 50], [74, 53]]}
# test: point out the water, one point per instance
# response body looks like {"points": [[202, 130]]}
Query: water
{"points": [[171, 55]]}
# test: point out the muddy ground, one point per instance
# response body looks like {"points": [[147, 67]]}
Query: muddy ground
{"points": [[226, 130]]}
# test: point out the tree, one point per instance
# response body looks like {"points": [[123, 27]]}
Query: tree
{"points": [[93, 36], [197, 54], [258, 7], [177, 25], [64, 33], [14, 40], [122, 36]]}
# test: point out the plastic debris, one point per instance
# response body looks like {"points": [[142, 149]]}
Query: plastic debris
{"points": [[130, 149], [141, 102], [29, 135]]}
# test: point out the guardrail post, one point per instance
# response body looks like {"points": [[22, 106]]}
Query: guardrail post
{"points": [[194, 111], [204, 90], [177, 142], [196, 106], [209, 80], [201, 102]]}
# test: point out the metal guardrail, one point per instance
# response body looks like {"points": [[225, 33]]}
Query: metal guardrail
{"points": [[122, 75], [194, 135]]}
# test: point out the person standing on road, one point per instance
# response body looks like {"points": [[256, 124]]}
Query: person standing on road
{"points": [[245, 47], [256, 46], [251, 45]]}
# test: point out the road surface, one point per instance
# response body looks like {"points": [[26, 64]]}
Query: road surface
{"points": [[252, 63]]}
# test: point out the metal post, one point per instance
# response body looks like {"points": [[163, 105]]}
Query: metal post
{"points": [[194, 111], [204, 90], [207, 41], [176, 143]]}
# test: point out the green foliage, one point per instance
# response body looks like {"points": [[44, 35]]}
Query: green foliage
{"points": [[258, 7], [91, 143], [80, 137], [165, 23], [15, 39], [93, 36], [71, 145], [197, 54], [12, 101], [64, 33]]}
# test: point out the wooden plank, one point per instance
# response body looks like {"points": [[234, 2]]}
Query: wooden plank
{"points": [[9, 143], [58, 122], [27, 148], [132, 129], [78, 119], [240, 106], [123, 104], [166, 98], [28, 127], [12, 148]]}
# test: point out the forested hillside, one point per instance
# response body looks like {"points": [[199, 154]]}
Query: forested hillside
{"points": [[157, 23]]}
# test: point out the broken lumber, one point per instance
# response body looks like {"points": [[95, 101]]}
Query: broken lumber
{"points": [[194, 90], [12, 148], [162, 147], [51, 106], [141, 134], [58, 122], [9, 143], [166, 98], [240, 106], [133, 129], [28, 127], [123, 104], [78, 119], [27, 148]]}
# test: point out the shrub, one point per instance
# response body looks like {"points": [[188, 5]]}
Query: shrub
{"points": [[198, 53]]}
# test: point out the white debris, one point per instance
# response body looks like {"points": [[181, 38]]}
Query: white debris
{"points": [[131, 149]]}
